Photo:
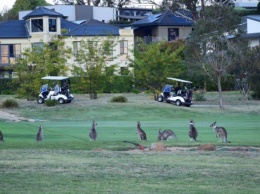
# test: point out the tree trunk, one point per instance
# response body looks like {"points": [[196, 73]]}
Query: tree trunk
{"points": [[221, 106]]}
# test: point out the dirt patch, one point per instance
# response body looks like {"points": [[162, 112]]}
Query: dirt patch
{"points": [[188, 149], [11, 117]]}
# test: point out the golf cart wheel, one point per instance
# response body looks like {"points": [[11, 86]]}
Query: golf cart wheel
{"points": [[40, 100], [69, 101], [160, 99], [187, 105], [178, 103], [61, 100]]}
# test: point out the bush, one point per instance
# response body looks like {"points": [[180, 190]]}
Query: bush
{"points": [[199, 95], [10, 103], [51, 102], [119, 99]]}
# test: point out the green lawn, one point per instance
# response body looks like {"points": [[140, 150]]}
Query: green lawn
{"points": [[68, 162]]}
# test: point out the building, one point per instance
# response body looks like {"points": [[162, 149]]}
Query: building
{"points": [[42, 24], [252, 29], [250, 4], [164, 26], [80, 12]]}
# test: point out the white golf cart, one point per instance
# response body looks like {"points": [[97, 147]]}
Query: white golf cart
{"points": [[62, 96], [179, 95]]}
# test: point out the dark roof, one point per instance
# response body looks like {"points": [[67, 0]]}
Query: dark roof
{"points": [[94, 28], [165, 19], [68, 25], [254, 17], [42, 11], [13, 29]]}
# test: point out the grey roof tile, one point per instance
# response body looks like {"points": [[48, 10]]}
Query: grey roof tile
{"points": [[42, 11], [13, 29], [94, 28]]}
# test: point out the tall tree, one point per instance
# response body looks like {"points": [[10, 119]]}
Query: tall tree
{"points": [[21, 5], [209, 47], [92, 56], [154, 62], [43, 59]]}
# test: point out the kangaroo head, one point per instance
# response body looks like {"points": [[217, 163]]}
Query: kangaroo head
{"points": [[213, 124], [94, 124], [138, 124], [40, 128], [191, 122]]}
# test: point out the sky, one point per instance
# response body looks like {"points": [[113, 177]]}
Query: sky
{"points": [[9, 3]]}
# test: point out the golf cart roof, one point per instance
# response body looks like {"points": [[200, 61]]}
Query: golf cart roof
{"points": [[179, 80], [54, 78]]}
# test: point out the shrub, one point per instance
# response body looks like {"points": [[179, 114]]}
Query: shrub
{"points": [[119, 99], [10, 103], [199, 95], [51, 102]]}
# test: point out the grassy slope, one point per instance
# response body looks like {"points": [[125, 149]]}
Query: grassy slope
{"points": [[67, 162]]}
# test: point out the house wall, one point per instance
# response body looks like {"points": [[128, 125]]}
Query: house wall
{"points": [[254, 42], [162, 31], [83, 12], [253, 26], [104, 13], [121, 60]]}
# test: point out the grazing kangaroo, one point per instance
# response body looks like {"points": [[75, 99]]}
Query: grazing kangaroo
{"points": [[166, 135], [1, 137], [193, 133], [39, 136], [93, 132], [140, 132], [221, 132]]}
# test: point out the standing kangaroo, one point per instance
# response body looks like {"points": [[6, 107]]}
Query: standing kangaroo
{"points": [[193, 133], [1, 137], [93, 132], [166, 135], [140, 132], [221, 132], [39, 136]]}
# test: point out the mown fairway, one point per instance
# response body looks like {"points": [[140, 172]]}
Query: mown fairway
{"points": [[67, 162]]}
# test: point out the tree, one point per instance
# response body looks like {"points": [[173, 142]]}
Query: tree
{"points": [[21, 5], [246, 68], [43, 59], [154, 62], [92, 58], [209, 47]]}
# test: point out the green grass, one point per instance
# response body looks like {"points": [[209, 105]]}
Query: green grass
{"points": [[68, 162]]}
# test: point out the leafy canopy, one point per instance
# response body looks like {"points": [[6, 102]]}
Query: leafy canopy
{"points": [[154, 62]]}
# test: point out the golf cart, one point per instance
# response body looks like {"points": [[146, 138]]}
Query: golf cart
{"points": [[62, 95], [179, 95]]}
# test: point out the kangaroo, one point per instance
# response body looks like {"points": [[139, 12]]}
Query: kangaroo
{"points": [[193, 133], [93, 132], [140, 132], [221, 132], [166, 135], [1, 137], [39, 136]]}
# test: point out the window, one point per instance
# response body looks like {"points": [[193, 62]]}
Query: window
{"points": [[124, 71], [37, 25], [28, 25], [9, 53], [52, 25], [123, 47], [173, 34]]}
